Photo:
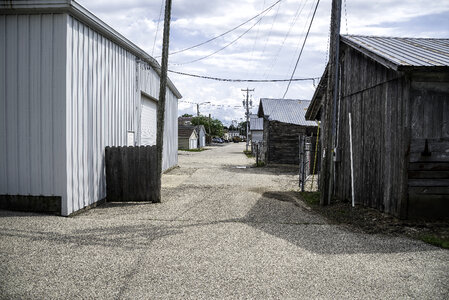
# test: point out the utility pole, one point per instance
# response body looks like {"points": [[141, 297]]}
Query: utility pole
{"points": [[246, 105], [197, 109], [330, 134], [161, 103]]}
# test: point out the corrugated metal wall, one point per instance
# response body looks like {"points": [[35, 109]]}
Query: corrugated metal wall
{"points": [[104, 83], [149, 83], [32, 92]]}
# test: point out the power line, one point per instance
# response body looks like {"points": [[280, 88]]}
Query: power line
{"points": [[222, 48], [302, 48], [293, 22], [224, 33], [157, 28], [244, 80]]}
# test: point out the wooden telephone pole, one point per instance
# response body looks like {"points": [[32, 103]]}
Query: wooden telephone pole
{"points": [[161, 103], [330, 108], [246, 104]]}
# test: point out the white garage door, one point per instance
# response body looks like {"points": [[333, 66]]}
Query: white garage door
{"points": [[148, 119]]}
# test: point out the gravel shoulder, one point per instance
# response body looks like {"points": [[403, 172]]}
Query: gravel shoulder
{"points": [[223, 230]]}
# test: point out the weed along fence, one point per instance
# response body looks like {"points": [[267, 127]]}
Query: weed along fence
{"points": [[131, 173]]}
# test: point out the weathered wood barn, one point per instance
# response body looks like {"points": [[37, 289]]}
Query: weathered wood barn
{"points": [[70, 85], [397, 92], [187, 137], [283, 122]]}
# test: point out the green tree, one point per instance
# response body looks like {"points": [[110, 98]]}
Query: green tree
{"points": [[216, 127], [187, 115], [242, 126]]}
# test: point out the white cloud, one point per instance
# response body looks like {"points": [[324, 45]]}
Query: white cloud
{"points": [[264, 52]]}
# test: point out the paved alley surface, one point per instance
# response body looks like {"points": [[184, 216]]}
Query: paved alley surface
{"points": [[222, 231]]}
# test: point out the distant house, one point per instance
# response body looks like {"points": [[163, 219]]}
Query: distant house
{"points": [[255, 131], [397, 92], [70, 86], [283, 122], [256, 128], [185, 120], [187, 137], [201, 132]]}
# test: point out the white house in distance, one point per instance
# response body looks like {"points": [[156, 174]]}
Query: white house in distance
{"points": [[70, 85], [256, 128], [187, 137]]}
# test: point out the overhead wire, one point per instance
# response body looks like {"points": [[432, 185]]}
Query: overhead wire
{"points": [[226, 32], [244, 80], [255, 42], [157, 28], [293, 22], [222, 48], [302, 48]]}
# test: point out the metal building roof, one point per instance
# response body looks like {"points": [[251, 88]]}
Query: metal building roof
{"points": [[290, 111], [255, 123], [402, 53]]}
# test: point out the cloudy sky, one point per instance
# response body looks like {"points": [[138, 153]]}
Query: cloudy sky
{"points": [[267, 47]]}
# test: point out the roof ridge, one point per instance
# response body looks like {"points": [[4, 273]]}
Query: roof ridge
{"points": [[393, 37]]}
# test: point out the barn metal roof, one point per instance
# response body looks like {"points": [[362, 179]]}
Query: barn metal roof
{"points": [[290, 111], [402, 53], [255, 123]]}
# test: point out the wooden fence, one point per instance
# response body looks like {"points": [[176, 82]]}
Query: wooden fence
{"points": [[131, 173]]}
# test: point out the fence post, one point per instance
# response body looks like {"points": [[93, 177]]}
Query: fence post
{"points": [[257, 154]]}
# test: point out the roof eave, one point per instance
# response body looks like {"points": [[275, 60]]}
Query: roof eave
{"points": [[315, 104], [383, 61], [76, 10]]}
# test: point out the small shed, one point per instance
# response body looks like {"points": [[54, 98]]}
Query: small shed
{"points": [[71, 85], [256, 128], [397, 92], [201, 132], [283, 124], [187, 137]]}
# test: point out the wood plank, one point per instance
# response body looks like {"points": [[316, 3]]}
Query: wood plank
{"points": [[434, 145], [429, 190], [428, 182], [435, 157], [442, 166], [428, 174]]}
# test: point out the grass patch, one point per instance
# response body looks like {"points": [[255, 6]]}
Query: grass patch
{"points": [[248, 153], [435, 240], [260, 164], [194, 150], [311, 198]]}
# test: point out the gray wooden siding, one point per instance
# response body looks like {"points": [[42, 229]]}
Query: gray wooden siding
{"points": [[379, 104], [32, 106]]}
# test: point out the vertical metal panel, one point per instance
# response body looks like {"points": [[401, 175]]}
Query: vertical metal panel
{"points": [[32, 104], [101, 75], [149, 83], [3, 123], [148, 122]]}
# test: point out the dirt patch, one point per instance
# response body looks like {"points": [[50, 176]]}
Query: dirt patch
{"points": [[368, 220]]}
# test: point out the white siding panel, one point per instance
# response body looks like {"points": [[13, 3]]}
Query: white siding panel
{"points": [[3, 123], [170, 149], [148, 122], [149, 83], [32, 121], [102, 99]]}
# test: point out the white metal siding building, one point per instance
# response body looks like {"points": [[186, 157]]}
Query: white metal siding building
{"points": [[70, 86]]}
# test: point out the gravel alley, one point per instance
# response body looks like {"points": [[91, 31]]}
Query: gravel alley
{"points": [[223, 230]]}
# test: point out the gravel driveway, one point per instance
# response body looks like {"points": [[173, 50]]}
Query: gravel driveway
{"points": [[222, 231]]}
